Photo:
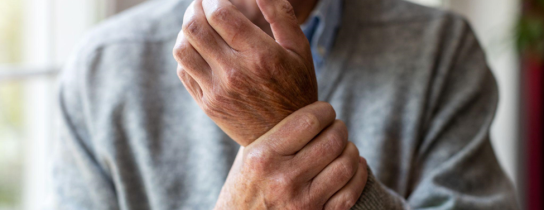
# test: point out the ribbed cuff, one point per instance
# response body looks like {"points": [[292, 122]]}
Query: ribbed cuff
{"points": [[376, 196]]}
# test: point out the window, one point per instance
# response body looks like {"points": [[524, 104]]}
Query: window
{"points": [[36, 36], [11, 114], [435, 3]]}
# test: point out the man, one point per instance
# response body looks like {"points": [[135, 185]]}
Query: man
{"points": [[409, 83]]}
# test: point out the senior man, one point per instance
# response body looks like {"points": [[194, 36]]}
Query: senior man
{"points": [[409, 84]]}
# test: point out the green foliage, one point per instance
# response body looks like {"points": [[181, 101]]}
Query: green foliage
{"points": [[530, 35], [530, 29]]}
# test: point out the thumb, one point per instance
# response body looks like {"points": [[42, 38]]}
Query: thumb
{"points": [[284, 25]]}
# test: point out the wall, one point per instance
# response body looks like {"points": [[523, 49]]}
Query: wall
{"points": [[493, 21]]}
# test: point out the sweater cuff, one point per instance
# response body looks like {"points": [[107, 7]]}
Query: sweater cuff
{"points": [[376, 196]]}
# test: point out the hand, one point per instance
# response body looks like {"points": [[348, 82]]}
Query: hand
{"points": [[241, 77], [304, 162]]}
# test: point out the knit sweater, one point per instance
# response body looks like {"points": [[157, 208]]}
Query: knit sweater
{"points": [[411, 83]]}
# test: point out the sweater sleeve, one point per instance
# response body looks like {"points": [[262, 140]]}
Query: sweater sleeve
{"points": [[78, 181], [455, 166]]}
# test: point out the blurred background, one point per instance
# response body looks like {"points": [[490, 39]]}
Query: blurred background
{"points": [[37, 36]]}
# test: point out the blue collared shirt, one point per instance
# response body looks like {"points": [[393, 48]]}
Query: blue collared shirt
{"points": [[321, 28]]}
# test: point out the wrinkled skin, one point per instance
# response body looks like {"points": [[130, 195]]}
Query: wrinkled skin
{"points": [[314, 167], [240, 76], [262, 92]]}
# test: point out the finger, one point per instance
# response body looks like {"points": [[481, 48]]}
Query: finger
{"points": [[202, 36], [335, 176], [235, 28], [322, 150], [192, 62], [346, 197], [284, 25], [297, 129], [190, 84]]}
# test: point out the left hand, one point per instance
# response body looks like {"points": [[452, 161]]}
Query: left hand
{"points": [[304, 162], [242, 78]]}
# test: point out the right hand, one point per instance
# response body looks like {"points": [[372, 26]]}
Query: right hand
{"points": [[304, 162]]}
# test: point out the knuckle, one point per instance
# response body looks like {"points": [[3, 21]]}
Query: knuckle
{"points": [[237, 31], [181, 51], [181, 72], [309, 121], [283, 181], [346, 169], [349, 200], [258, 160], [192, 27], [335, 143], [338, 138], [221, 14]]}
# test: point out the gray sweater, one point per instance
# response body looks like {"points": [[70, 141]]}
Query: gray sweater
{"points": [[410, 82]]}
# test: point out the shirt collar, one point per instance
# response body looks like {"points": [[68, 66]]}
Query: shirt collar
{"points": [[321, 28]]}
